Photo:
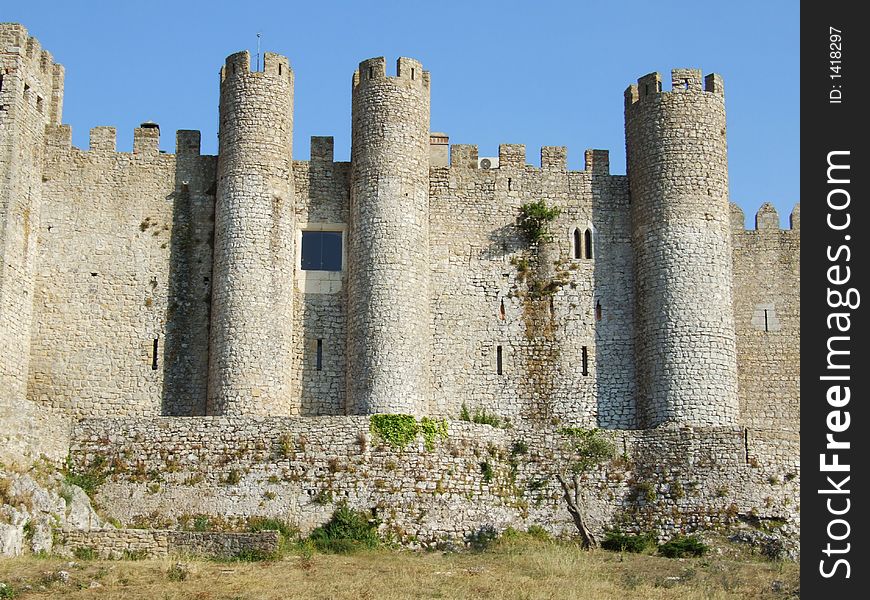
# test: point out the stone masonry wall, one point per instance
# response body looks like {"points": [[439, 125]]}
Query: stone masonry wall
{"points": [[252, 310], [31, 92], [322, 189], [767, 318], [481, 276], [389, 329], [157, 543], [29, 431], [164, 471], [677, 167], [124, 263]]}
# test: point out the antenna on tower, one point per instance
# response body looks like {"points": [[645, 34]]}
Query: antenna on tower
{"points": [[258, 51]]}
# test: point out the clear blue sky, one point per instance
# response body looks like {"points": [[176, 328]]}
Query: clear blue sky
{"points": [[538, 73]]}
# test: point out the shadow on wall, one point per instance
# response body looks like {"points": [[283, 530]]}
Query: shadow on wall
{"points": [[613, 296], [185, 349]]}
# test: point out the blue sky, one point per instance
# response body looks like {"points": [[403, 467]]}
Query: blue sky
{"points": [[543, 73]]}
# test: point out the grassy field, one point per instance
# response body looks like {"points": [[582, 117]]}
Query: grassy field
{"points": [[516, 569]]}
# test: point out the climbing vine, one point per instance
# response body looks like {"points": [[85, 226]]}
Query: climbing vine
{"points": [[400, 430], [431, 429]]}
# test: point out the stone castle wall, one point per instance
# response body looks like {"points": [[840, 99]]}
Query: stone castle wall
{"points": [[164, 471], [252, 302], [31, 96], [389, 329], [677, 166], [480, 291], [124, 268], [148, 273], [767, 315]]}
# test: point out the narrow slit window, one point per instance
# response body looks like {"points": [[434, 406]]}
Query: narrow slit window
{"points": [[1, 82], [501, 312], [371, 72], [598, 311], [766, 322], [154, 348], [510, 184], [413, 73], [280, 69], [578, 244], [39, 103], [587, 239], [746, 445], [585, 360], [686, 83], [499, 364], [319, 355]]}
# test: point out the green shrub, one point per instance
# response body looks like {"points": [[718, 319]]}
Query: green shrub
{"points": [[482, 539], [6, 591], [539, 533], [89, 479], [627, 542], [201, 523], [487, 470], [681, 546], [85, 553], [251, 555], [534, 220], [178, 572], [347, 531], [396, 430], [286, 445], [592, 445], [519, 447], [431, 429]]}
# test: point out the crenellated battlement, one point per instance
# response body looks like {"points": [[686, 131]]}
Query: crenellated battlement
{"points": [[41, 79], [15, 40], [766, 219], [274, 66], [408, 70], [513, 156], [682, 81], [146, 140]]}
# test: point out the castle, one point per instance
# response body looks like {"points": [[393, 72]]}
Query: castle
{"points": [[252, 285]]}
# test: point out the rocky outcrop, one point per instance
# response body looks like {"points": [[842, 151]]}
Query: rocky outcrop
{"points": [[34, 504]]}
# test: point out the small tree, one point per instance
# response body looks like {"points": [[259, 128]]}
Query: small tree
{"points": [[534, 220], [588, 448]]}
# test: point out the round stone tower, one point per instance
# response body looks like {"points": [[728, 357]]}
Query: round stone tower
{"points": [[252, 297], [389, 328], [678, 174]]}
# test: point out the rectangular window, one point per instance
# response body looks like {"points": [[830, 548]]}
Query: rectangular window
{"points": [[319, 355], [321, 251], [498, 361], [585, 359], [154, 354]]}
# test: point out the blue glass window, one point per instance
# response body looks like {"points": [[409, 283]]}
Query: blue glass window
{"points": [[321, 251]]}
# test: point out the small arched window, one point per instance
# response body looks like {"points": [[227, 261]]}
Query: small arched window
{"points": [[578, 244], [587, 243]]}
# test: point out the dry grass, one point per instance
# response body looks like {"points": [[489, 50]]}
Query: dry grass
{"points": [[517, 570]]}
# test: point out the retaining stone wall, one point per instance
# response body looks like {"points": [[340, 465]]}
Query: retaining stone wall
{"points": [[162, 472], [161, 543]]}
